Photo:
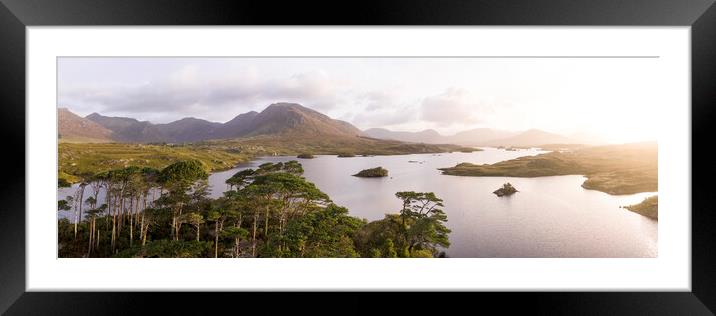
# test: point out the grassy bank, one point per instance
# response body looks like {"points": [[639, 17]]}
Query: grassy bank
{"points": [[78, 160], [613, 169]]}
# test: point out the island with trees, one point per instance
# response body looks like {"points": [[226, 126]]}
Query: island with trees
{"points": [[506, 190], [376, 172], [270, 211]]}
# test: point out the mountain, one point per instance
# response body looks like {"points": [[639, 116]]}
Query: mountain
{"points": [[237, 126], [188, 129], [128, 129], [297, 120], [72, 127], [532, 137]]}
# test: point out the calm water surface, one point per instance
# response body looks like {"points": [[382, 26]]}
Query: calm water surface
{"points": [[549, 217]]}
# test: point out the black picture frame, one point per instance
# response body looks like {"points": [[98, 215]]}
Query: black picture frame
{"points": [[16, 15]]}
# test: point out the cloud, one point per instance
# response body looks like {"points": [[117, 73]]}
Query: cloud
{"points": [[376, 100], [379, 108], [188, 91], [452, 107], [311, 84], [385, 117]]}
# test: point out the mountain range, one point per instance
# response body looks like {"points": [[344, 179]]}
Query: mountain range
{"points": [[276, 120], [288, 120], [479, 137]]}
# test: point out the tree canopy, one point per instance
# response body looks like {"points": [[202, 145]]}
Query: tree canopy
{"points": [[268, 211]]}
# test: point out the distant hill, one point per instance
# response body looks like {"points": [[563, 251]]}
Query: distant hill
{"points": [[474, 137], [276, 120], [533, 137], [74, 128], [480, 136], [428, 136]]}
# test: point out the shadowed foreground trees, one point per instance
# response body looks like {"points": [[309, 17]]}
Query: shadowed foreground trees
{"points": [[417, 231], [270, 211]]}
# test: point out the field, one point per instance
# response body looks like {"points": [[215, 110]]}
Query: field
{"points": [[78, 160], [614, 169]]}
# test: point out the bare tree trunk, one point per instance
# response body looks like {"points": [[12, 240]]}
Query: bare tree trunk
{"points": [[253, 238], [141, 228], [236, 247], [114, 221], [281, 223], [136, 209], [177, 225], [82, 195], [174, 226], [131, 230], [266, 225], [144, 239], [77, 197], [91, 237], [216, 240], [121, 210], [108, 197]]}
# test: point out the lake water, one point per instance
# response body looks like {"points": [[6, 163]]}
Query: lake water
{"points": [[548, 217]]}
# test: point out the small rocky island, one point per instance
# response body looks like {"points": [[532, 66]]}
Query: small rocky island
{"points": [[372, 173], [506, 189], [346, 155], [305, 156]]}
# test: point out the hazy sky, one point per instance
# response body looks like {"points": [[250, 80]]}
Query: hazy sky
{"points": [[606, 97]]}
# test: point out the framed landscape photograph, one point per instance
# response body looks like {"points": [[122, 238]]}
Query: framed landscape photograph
{"points": [[461, 151]]}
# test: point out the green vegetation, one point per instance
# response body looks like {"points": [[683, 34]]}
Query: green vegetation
{"points": [[649, 207], [614, 169], [305, 156], [169, 249], [270, 211], [506, 189], [77, 161], [372, 173], [417, 231]]}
